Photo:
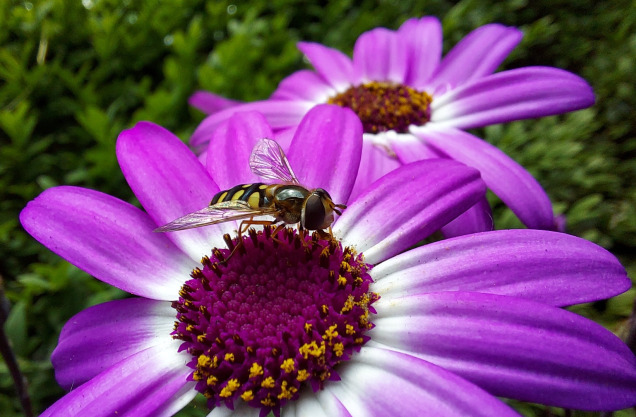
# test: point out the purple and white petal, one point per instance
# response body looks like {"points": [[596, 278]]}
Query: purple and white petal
{"points": [[279, 114], [240, 410], [304, 85], [325, 151], [407, 205], [318, 404], [409, 148], [231, 146], [100, 336], [210, 103], [423, 38], [379, 55], [515, 186], [333, 66], [549, 267], [108, 238], [375, 162], [169, 182], [475, 56], [379, 382], [522, 93], [149, 383], [476, 219], [512, 347]]}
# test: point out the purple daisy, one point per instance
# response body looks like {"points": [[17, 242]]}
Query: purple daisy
{"points": [[355, 326], [413, 105]]}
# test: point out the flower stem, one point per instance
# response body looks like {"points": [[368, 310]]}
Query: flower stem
{"points": [[19, 380]]}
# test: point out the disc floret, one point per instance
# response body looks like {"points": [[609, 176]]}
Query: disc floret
{"points": [[383, 106], [280, 312]]}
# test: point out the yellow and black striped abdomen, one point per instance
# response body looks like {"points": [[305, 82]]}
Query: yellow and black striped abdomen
{"points": [[253, 194]]}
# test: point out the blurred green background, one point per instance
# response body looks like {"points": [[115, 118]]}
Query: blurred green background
{"points": [[73, 74]]}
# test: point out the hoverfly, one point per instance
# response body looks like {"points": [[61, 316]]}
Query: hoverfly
{"points": [[288, 201]]}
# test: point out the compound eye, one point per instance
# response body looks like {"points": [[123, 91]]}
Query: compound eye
{"points": [[314, 212]]}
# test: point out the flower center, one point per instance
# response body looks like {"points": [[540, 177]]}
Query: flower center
{"points": [[281, 311], [385, 106]]}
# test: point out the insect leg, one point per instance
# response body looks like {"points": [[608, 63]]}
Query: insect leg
{"points": [[245, 224]]}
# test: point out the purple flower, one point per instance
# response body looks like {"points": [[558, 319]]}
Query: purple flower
{"points": [[357, 326], [414, 105]]}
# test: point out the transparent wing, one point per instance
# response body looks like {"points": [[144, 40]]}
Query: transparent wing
{"points": [[217, 213], [269, 161]]}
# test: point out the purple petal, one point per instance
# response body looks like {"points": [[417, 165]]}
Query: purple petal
{"points": [[523, 93], [325, 151], [231, 146], [379, 55], [513, 347], [375, 162], [332, 65], [548, 267], [303, 85], [210, 103], [108, 238], [145, 384], [407, 205], [284, 137], [506, 178], [169, 182], [476, 219], [374, 380], [423, 39], [100, 336], [477, 55], [279, 114]]}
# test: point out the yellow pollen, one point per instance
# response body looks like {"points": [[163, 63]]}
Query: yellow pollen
{"points": [[342, 281], [286, 393], [288, 365], [302, 375], [201, 338], [325, 375], [204, 361], [338, 349], [232, 385], [190, 328], [212, 380], [325, 309], [308, 327], [268, 402], [358, 340], [268, 382], [229, 357], [312, 349], [348, 305], [197, 375], [248, 395], [331, 332], [256, 370], [349, 329], [344, 266]]}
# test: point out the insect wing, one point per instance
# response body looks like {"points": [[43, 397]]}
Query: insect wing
{"points": [[218, 213], [269, 161]]}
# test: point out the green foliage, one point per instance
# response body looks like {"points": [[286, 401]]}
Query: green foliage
{"points": [[75, 74]]}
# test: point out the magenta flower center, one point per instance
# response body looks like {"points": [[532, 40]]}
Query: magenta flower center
{"points": [[385, 106], [281, 312]]}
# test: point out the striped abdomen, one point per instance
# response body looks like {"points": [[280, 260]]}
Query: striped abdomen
{"points": [[253, 194]]}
